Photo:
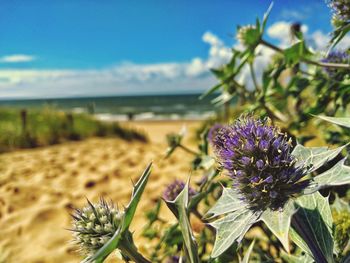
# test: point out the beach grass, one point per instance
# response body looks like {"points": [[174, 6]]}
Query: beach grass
{"points": [[48, 126]]}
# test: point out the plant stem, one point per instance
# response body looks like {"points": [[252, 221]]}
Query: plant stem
{"points": [[252, 72], [189, 150], [129, 250], [304, 231], [306, 60]]}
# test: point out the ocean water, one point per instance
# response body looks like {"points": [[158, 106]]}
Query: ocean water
{"points": [[155, 107]]}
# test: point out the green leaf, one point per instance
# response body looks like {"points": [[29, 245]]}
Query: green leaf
{"points": [[279, 222], [210, 91], [313, 223], [179, 208], [315, 156], [339, 121], [297, 259], [228, 202], [339, 34], [296, 52], [232, 228], [129, 213], [248, 253], [266, 16], [339, 174]]}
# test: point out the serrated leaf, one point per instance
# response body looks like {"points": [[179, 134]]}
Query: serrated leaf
{"points": [[232, 228], [279, 222], [129, 213], [179, 209], [345, 122], [313, 222], [248, 253], [228, 202], [314, 156], [339, 174]]}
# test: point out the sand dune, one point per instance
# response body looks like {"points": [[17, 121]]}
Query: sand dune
{"points": [[39, 187]]}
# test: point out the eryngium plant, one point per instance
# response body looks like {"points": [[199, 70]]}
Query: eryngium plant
{"points": [[94, 225], [101, 228], [258, 157], [274, 183]]}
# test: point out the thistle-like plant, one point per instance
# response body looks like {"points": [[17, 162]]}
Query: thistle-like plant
{"points": [[101, 228], [94, 225], [274, 182]]}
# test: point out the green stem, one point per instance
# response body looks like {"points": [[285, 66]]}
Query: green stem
{"points": [[188, 150], [304, 231], [306, 60], [252, 72], [129, 250]]}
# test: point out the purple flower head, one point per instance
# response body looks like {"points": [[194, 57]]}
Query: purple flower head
{"points": [[336, 57], [175, 188], [341, 9], [213, 130], [265, 173]]}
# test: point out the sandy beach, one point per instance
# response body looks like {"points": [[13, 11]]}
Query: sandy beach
{"points": [[39, 187]]}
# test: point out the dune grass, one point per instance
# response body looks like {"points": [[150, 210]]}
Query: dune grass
{"points": [[47, 126]]}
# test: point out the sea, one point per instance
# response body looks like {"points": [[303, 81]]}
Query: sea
{"points": [[123, 108]]}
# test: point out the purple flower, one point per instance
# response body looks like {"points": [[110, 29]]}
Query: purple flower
{"points": [[213, 130], [336, 57], [265, 173], [341, 9], [175, 188]]}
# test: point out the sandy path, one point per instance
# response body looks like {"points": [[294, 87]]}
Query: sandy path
{"points": [[38, 188]]}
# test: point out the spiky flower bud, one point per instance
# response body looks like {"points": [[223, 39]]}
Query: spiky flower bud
{"points": [[175, 188], [341, 10], [336, 57], [257, 156], [94, 225], [249, 36]]}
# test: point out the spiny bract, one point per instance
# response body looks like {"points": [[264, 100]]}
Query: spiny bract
{"points": [[257, 156], [94, 225]]}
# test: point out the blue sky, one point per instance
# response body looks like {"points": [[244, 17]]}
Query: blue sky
{"points": [[44, 42]]}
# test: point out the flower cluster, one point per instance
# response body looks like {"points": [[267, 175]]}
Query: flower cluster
{"points": [[341, 9], [336, 57], [175, 188], [94, 225], [258, 158], [249, 36]]}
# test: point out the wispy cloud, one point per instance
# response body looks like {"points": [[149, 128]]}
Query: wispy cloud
{"points": [[17, 58]]}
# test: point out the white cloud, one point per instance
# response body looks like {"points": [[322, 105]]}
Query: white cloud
{"points": [[131, 78], [281, 31], [17, 58]]}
